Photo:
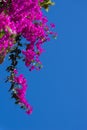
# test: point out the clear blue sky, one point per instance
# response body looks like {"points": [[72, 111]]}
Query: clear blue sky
{"points": [[58, 93]]}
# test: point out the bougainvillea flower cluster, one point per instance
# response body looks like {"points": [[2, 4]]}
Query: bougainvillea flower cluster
{"points": [[23, 18]]}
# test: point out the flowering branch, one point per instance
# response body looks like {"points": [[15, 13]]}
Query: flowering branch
{"points": [[26, 20]]}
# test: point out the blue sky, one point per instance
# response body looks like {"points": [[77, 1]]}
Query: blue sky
{"points": [[58, 92]]}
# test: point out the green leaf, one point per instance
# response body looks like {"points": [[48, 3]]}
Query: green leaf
{"points": [[2, 33], [46, 4]]}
